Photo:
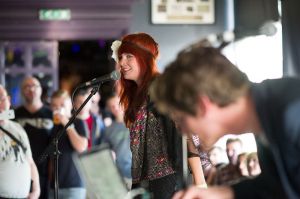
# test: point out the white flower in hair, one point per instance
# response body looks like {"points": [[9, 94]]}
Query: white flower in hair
{"points": [[115, 47]]}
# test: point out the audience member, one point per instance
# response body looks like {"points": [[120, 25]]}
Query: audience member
{"points": [[220, 100], [216, 155], [73, 141], [253, 164], [117, 136], [242, 164], [17, 168], [102, 113], [93, 124], [36, 119], [95, 107], [230, 173]]}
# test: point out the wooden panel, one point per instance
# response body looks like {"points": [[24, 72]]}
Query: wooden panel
{"points": [[90, 19], [62, 35], [65, 3], [76, 13], [88, 25]]}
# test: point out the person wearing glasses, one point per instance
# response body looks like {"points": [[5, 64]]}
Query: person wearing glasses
{"points": [[36, 119]]}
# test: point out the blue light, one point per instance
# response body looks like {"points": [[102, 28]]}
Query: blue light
{"points": [[75, 48]]}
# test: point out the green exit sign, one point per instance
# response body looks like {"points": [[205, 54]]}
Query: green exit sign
{"points": [[54, 14]]}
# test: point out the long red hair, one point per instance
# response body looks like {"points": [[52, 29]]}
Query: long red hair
{"points": [[145, 50]]}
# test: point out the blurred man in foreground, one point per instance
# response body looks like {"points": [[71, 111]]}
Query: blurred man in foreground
{"points": [[206, 94]]}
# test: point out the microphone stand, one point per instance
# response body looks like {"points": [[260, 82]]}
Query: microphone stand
{"points": [[185, 170], [52, 148]]}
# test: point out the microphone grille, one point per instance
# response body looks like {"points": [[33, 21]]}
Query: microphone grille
{"points": [[115, 75]]}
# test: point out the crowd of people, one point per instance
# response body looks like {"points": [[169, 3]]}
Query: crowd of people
{"points": [[238, 165], [201, 94], [36, 124]]}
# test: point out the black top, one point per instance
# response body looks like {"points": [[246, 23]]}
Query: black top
{"points": [[68, 176], [278, 107], [38, 127]]}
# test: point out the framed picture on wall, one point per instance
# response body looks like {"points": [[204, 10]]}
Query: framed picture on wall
{"points": [[182, 11]]}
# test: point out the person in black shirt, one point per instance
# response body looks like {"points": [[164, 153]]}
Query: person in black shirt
{"points": [[73, 141], [36, 119]]}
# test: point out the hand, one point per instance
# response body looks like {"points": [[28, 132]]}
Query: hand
{"points": [[199, 193], [60, 118], [33, 195]]}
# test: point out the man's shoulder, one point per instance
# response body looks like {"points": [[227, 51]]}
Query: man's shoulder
{"points": [[14, 127], [11, 123]]}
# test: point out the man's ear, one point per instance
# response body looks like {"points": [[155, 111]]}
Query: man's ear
{"points": [[203, 104]]}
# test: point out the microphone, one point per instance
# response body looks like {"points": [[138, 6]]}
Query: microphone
{"points": [[115, 75]]}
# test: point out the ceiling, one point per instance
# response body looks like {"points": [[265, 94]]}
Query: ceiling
{"points": [[90, 19]]}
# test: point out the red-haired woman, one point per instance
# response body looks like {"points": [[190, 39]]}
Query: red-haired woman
{"points": [[155, 144]]}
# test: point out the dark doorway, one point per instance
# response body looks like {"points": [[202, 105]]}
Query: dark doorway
{"points": [[81, 61]]}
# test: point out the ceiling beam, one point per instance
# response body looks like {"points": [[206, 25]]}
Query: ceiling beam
{"points": [[90, 19]]}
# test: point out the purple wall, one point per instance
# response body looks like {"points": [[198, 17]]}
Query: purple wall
{"points": [[90, 19]]}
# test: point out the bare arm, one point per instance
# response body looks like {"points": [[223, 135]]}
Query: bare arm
{"points": [[78, 142], [35, 193], [196, 167]]}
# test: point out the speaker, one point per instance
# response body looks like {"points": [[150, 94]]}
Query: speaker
{"points": [[255, 17]]}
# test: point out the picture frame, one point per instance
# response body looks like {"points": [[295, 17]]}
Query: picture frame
{"points": [[182, 11]]}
